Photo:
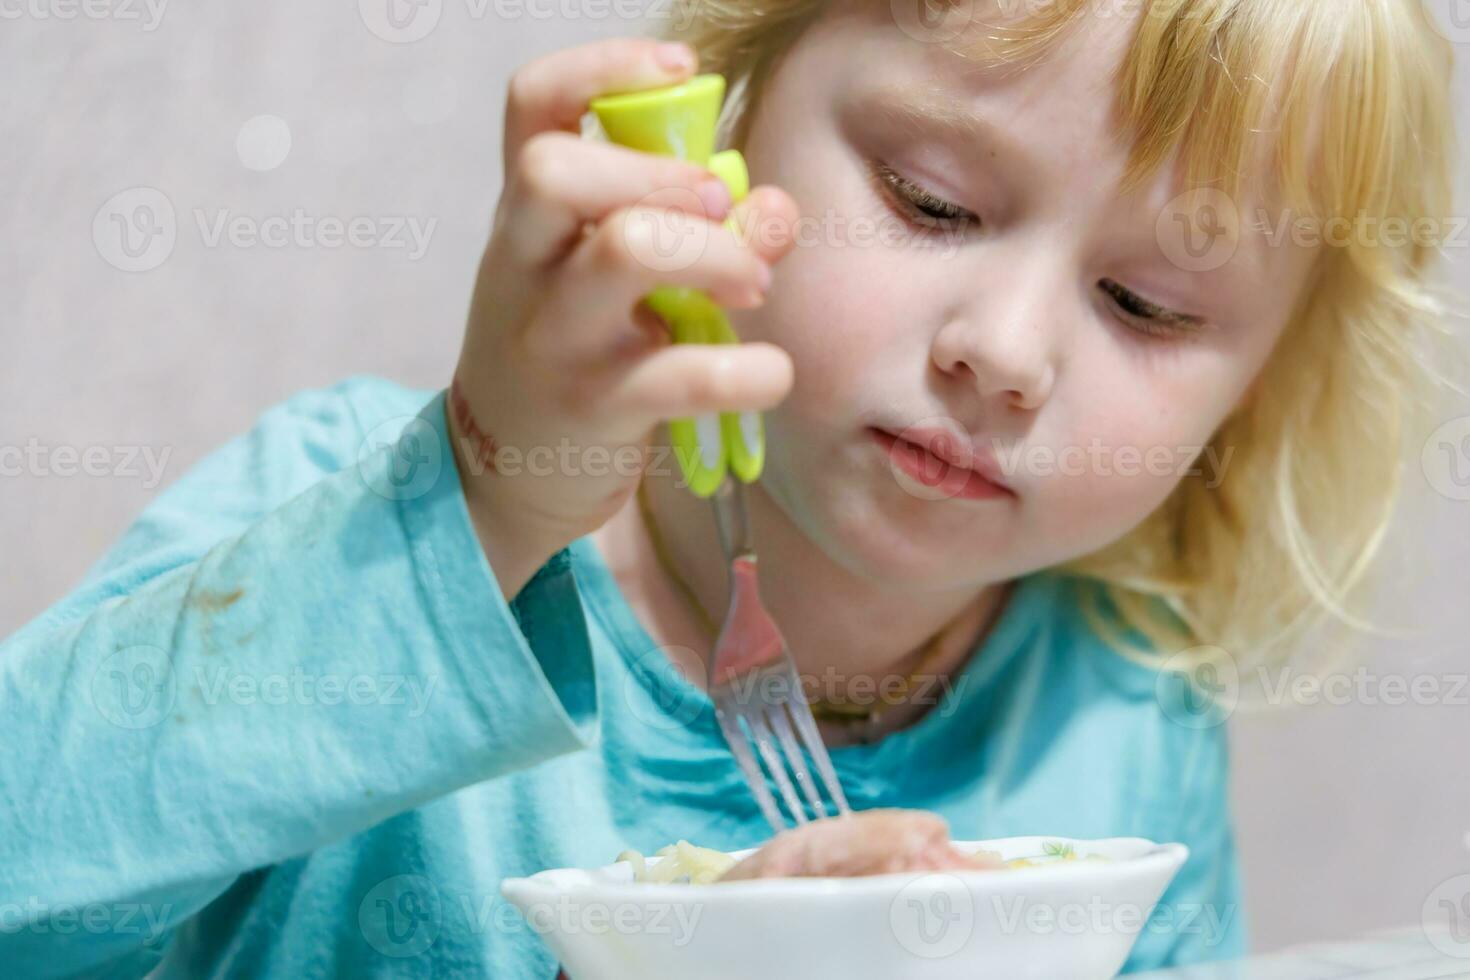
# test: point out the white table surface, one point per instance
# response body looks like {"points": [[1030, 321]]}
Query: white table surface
{"points": [[1396, 954]]}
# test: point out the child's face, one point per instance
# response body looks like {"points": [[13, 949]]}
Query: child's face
{"points": [[1003, 328]]}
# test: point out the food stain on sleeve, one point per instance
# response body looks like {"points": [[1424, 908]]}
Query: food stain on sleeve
{"points": [[213, 602]]}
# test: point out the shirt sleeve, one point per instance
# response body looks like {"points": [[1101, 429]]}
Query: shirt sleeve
{"points": [[299, 640]]}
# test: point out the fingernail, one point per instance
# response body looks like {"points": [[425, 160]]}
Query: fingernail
{"points": [[675, 57], [715, 197]]}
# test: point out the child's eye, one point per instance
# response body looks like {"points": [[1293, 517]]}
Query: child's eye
{"points": [[1146, 317], [918, 204]]}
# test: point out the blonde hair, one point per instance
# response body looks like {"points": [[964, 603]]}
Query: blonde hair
{"points": [[1357, 95]]}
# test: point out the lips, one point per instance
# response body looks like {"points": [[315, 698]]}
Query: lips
{"points": [[942, 465]]}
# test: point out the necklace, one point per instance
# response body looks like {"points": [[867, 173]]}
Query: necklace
{"points": [[838, 711]]}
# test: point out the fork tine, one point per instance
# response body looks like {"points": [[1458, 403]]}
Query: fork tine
{"points": [[782, 727], [806, 725], [762, 735], [748, 644], [749, 768]]}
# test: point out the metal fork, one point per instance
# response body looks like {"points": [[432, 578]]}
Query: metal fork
{"points": [[754, 684]]}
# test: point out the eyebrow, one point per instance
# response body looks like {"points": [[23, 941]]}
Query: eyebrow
{"points": [[918, 113]]}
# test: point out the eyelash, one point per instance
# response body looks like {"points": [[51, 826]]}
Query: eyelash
{"points": [[914, 200], [1142, 316], [1146, 317]]}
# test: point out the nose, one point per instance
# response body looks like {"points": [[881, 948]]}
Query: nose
{"points": [[1003, 343]]}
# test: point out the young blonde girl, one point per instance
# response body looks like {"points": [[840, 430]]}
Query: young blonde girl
{"points": [[1073, 411]]}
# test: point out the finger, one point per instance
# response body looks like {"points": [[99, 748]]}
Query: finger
{"points": [[552, 92], [636, 250], [649, 330], [562, 182], [766, 221], [695, 379]]}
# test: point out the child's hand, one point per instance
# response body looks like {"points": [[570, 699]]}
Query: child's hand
{"points": [[562, 371]]}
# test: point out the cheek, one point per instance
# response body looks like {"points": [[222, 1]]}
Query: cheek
{"points": [[838, 313], [842, 303], [1124, 444]]}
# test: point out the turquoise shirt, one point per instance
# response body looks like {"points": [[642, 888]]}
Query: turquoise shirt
{"points": [[289, 727]]}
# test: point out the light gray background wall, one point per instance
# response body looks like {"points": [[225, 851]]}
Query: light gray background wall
{"points": [[1350, 815]]}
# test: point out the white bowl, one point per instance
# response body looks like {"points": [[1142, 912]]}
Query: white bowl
{"points": [[1073, 919]]}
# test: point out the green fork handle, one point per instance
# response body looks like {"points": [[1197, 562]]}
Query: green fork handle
{"points": [[679, 121]]}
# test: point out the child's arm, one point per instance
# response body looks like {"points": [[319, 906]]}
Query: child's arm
{"points": [[561, 352], [168, 726], [276, 657]]}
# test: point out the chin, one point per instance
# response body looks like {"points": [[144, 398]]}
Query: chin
{"points": [[892, 543], [841, 494]]}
